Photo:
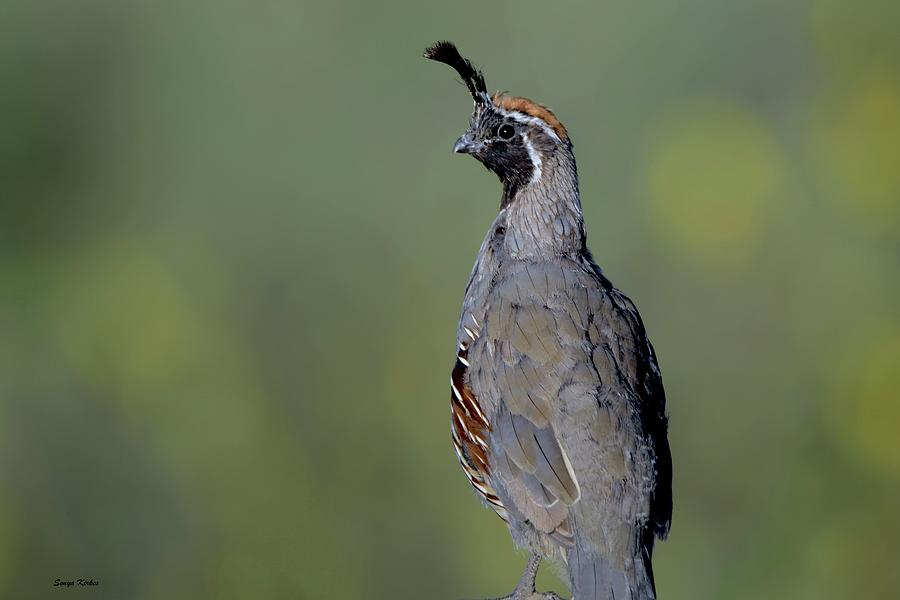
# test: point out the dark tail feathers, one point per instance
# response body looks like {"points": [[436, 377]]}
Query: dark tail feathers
{"points": [[594, 577]]}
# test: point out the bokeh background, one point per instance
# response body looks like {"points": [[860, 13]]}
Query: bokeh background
{"points": [[233, 244]]}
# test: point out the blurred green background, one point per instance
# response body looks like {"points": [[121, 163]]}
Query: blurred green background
{"points": [[233, 244]]}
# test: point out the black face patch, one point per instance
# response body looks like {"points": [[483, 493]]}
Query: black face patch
{"points": [[503, 151]]}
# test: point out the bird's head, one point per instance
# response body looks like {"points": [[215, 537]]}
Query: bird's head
{"points": [[514, 137]]}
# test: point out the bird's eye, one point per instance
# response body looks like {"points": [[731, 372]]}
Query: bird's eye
{"points": [[505, 132]]}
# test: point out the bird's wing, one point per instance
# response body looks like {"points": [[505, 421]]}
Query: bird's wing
{"points": [[652, 405], [559, 367]]}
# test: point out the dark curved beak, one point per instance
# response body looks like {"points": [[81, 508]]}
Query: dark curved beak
{"points": [[466, 144]]}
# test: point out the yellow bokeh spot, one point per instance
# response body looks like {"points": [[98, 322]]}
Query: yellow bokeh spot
{"points": [[857, 142], [863, 409], [715, 173]]}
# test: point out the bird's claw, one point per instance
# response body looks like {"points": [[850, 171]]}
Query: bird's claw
{"points": [[525, 588]]}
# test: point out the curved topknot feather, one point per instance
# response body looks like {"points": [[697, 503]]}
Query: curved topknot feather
{"points": [[446, 52]]}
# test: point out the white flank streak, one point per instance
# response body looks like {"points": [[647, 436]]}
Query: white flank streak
{"points": [[466, 429], [458, 454], [458, 396], [480, 487], [463, 361], [535, 159], [469, 333], [480, 414], [474, 320]]}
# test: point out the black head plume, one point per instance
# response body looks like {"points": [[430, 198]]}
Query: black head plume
{"points": [[445, 52]]}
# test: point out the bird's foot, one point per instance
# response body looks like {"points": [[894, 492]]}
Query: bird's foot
{"points": [[525, 588]]}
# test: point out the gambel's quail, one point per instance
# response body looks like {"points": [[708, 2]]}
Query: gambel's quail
{"points": [[557, 404]]}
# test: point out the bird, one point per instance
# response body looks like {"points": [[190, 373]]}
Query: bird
{"points": [[557, 407]]}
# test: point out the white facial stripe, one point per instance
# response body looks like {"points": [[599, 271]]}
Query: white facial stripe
{"points": [[528, 120], [535, 160]]}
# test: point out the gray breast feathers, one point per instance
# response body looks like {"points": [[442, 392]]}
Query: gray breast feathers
{"points": [[556, 366]]}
